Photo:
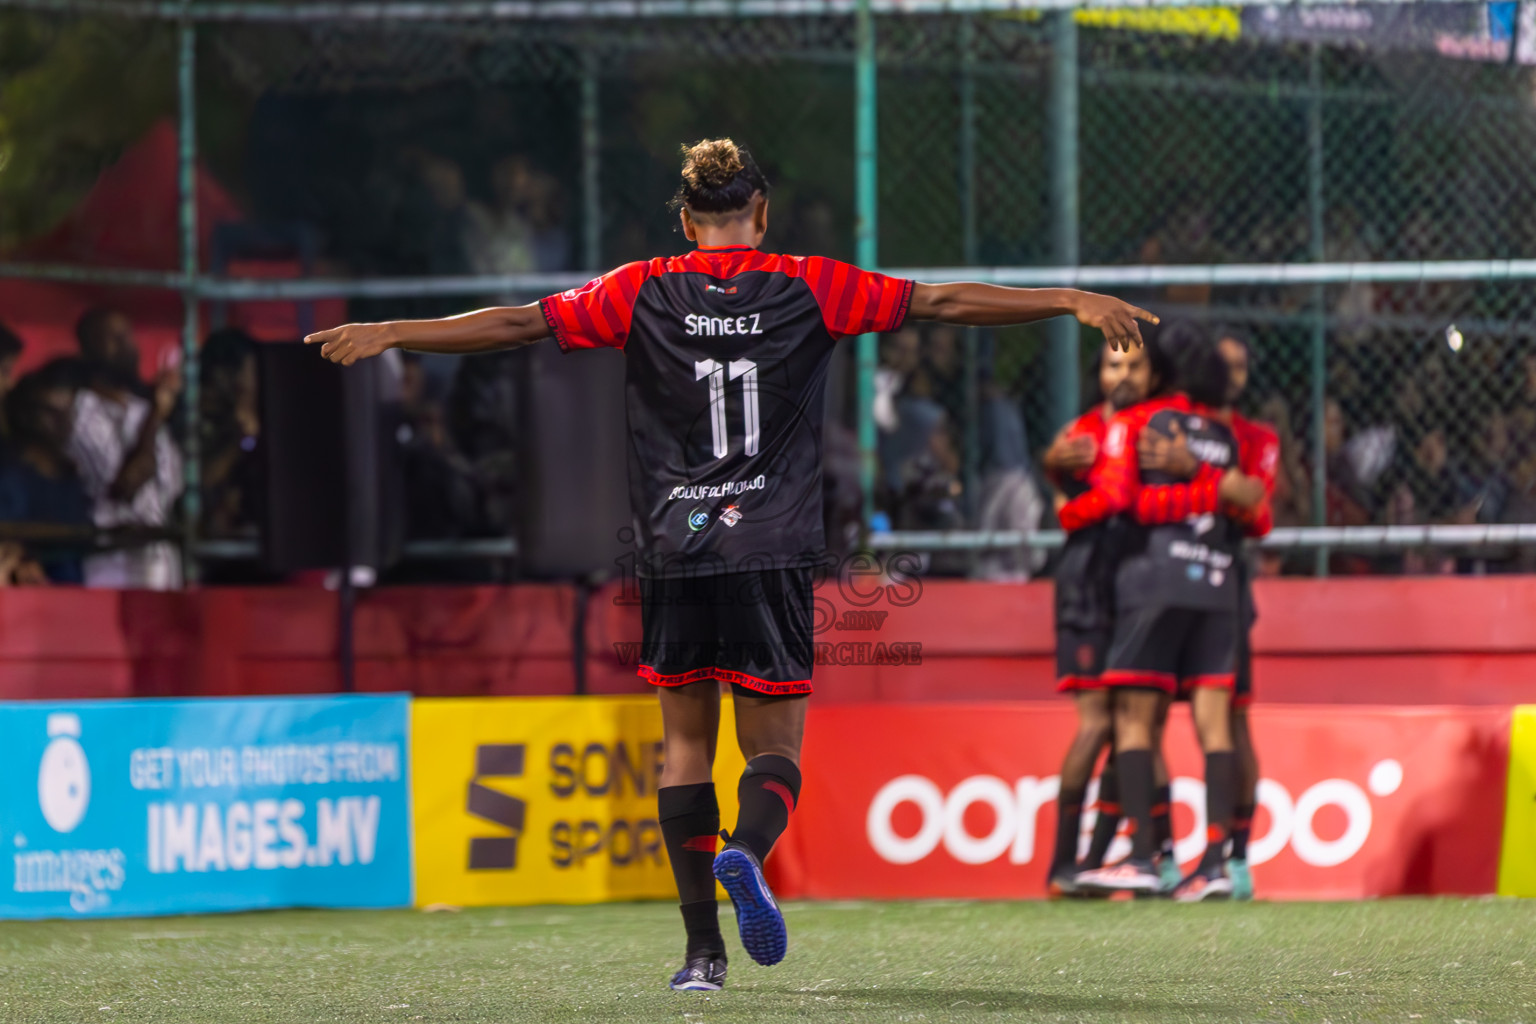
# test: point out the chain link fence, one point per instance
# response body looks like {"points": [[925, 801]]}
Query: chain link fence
{"points": [[410, 160]]}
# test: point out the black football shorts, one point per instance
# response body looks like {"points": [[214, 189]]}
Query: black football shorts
{"points": [[754, 630], [1080, 658], [1172, 649]]}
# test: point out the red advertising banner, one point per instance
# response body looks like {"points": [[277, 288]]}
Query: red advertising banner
{"points": [[959, 800]]}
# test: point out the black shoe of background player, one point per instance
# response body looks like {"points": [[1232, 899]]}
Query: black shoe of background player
{"points": [[1204, 883], [1062, 882], [700, 974]]}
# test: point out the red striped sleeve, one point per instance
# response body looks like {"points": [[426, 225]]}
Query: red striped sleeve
{"points": [[1258, 453], [855, 301], [1172, 503], [1115, 478], [598, 314]]}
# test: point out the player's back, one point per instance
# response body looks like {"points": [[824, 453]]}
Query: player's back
{"points": [[1187, 562], [727, 353]]}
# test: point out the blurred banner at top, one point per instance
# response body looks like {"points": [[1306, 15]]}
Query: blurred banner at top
{"points": [[1500, 32]]}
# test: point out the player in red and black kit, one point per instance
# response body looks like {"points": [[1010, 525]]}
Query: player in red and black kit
{"points": [[727, 350], [1175, 605], [1084, 589]]}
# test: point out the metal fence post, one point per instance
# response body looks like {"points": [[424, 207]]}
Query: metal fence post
{"points": [[591, 165], [1319, 300], [969, 246], [186, 88], [867, 248], [1065, 338]]}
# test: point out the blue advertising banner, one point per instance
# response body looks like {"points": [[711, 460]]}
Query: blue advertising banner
{"points": [[184, 806]]}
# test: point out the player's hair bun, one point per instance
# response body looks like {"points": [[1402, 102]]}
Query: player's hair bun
{"points": [[718, 177], [711, 163]]}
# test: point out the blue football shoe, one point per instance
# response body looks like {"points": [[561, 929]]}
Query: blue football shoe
{"points": [[757, 913]]}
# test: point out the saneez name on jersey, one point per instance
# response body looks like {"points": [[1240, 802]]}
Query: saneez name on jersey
{"points": [[702, 323]]}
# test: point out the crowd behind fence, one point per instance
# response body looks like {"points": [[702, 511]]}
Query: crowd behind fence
{"points": [[1356, 202]]}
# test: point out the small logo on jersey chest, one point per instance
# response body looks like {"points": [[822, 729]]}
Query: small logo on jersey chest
{"points": [[698, 519], [721, 289], [731, 516]]}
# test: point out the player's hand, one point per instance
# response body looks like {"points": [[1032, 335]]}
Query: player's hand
{"points": [[1243, 491], [1071, 454], [167, 390], [350, 342], [1115, 318], [1166, 453]]}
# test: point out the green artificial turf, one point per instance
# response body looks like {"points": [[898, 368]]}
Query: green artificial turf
{"points": [[1455, 961]]}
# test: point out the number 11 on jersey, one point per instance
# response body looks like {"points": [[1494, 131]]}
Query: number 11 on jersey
{"points": [[746, 371]]}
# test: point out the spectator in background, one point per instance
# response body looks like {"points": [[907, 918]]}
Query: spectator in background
{"points": [[499, 235], [10, 352], [482, 423], [38, 483], [900, 357], [127, 461], [1424, 487], [440, 490], [231, 431], [1292, 500], [1009, 498], [941, 377]]}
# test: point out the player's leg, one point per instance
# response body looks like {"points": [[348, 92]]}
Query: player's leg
{"points": [[679, 630], [1094, 727], [771, 614], [1162, 800], [1141, 672], [1247, 766], [769, 730], [1208, 671], [689, 814], [1107, 824], [1246, 804]]}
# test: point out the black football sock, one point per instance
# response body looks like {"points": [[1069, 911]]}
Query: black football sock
{"points": [[768, 792], [1242, 827], [690, 826], [1108, 821], [1135, 768], [1162, 819], [1069, 823], [1220, 792]]}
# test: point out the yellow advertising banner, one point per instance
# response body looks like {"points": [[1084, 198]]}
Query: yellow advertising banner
{"points": [[519, 800], [1517, 863]]}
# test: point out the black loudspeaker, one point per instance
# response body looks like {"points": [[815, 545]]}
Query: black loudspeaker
{"points": [[575, 512], [334, 492]]}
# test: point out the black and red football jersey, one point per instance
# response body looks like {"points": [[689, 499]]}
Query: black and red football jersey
{"points": [[727, 352], [1084, 577], [1178, 549]]}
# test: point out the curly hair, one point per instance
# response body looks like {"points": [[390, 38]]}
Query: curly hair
{"points": [[718, 177]]}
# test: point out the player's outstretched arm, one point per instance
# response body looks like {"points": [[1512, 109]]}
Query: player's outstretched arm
{"points": [[484, 330], [990, 305]]}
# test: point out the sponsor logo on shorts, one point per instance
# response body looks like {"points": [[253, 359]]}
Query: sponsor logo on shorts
{"points": [[722, 290], [698, 519]]}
